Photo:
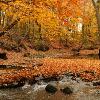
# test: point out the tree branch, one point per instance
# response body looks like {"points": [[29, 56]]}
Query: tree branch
{"points": [[9, 27]]}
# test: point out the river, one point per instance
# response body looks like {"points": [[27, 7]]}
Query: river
{"points": [[81, 91]]}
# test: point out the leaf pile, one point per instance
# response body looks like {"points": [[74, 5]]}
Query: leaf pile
{"points": [[87, 69]]}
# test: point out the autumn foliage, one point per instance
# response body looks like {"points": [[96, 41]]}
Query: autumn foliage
{"points": [[51, 24], [87, 70], [51, 20]]}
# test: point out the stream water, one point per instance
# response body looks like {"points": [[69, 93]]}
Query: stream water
{"points": [[81, 91]]}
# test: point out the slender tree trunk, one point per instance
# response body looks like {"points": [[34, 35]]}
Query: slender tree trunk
{"points": [[0, 16], [9, 27], [39, 29], [98, 20], [97, 9]]}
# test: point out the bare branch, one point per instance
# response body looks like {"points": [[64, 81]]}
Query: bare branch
{"points": [[9, 27]]}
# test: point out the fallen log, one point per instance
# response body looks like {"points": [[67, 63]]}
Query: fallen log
{"points": [[3, 67]]}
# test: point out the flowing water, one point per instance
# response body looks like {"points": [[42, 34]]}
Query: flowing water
{"points": [[81, 91]]}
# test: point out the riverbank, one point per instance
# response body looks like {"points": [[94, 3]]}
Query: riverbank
{"points": [[23, 66], [88, 70]]}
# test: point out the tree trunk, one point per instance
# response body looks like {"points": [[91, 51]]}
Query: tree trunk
{"points": [[9, 27], [97, 9], [39, 29]]}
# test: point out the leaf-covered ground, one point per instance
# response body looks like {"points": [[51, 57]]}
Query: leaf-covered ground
{"points": [[87, 69]]}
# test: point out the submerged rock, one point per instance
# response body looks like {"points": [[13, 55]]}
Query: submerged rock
{"points": [[50, 89], [32, 81], [67, 90], [12, 85], [96, 83]]}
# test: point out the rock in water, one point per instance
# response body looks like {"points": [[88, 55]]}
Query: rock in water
{"points": [[67, 90], [50, 89], [3, 56], [53, 78], [26, 86], [96, 83]]}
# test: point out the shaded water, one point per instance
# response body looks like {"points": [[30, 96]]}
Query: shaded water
{"points": [[81, 91]]}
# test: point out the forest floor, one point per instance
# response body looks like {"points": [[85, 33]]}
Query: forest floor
{"points": [[33, 64]]}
